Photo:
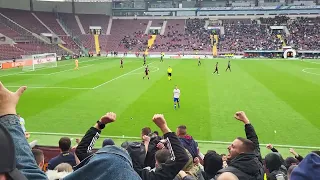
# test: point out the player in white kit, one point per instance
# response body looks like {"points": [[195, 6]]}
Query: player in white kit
{"points": [[176, 97]]}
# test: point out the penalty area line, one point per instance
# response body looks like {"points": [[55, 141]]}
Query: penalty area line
{"points": [[200, 141], [118, 77]]}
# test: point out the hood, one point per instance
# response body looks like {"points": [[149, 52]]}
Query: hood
{"points": [[212, 163], [273, 161], [247, 163], [308, 169], [187, 139]]}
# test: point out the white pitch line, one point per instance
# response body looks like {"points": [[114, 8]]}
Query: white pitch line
{"points": [[47, 87], [200, 141], [305, 71], [18, 73], [69, 70], [118, 77]]}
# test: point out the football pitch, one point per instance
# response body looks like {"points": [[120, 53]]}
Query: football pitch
{"points": [[280, 97]]}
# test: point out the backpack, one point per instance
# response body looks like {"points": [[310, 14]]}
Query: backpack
{"points": [[137, 152]]}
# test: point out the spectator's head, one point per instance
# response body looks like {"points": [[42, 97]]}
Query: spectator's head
{"points": [[64, 167], [107, 142], [308, 168], [39, 157], [64, 144], [290, 169], [8, 170], [212, 163], [273, 161], [145, 131], [156, 133], [181, 130], [162, 156], [227, 176], [224, 157], [240, 145], [291, 161]]}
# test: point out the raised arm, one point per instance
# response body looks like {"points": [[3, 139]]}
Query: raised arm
{"points": [[270, 147], [250, 132], [179, 157], [86, 144], [296, 155], [8, 118]]}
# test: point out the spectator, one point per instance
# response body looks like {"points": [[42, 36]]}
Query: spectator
{"points": [[212, 164], [39, 157], [244, 158], [65, 156], [290, 169], [64, 167], [84, 149], [275, 166], [8, 166], [227, 176], [107, 142], [178, 159], [23, 123], [308, 169], [187, 141], [23, 157]]}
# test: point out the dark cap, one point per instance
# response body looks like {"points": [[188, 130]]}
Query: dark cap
{"points": [[8, 156], [107, 142]]}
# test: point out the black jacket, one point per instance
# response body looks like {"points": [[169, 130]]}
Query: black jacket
{"points": [[171, 168], [247, 166], [86, 144]]}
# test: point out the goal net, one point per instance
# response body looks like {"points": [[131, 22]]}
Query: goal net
{"points": [[39, 61]]}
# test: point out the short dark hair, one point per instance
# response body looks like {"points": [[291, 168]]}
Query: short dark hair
{"points": [[247, 145], [146, 131], [163, 155], [64, 144], [182, 130], [38, 155]]}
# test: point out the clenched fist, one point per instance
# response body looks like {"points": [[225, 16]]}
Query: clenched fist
{"points": [[108, 118], [269, 146], [159, 120], [241, 116], [9, 100]]}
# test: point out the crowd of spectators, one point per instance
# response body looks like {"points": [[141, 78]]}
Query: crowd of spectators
{"points": [[138, 39], [239, 35], [173, 156], [304, 33]]}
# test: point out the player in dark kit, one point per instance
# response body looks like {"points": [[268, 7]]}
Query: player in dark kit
{"points": [[199, 62], [217, 69], [161, 57], [146, 71], [229, 66], [144, 60], [121, 63]]}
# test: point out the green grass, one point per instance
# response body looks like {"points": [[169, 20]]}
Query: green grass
{"points": [[276, 96]]}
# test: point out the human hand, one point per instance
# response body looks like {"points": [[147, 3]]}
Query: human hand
{"points": [[269, 146], [160, 145], [159, 120], [27, 135], [182, 174], [146, 139], [196, 161], [78, 140], [9, 100], [108, 118], [241, 116], [292, 151]]}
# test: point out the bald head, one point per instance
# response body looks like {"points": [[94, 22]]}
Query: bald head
{"points": [[227, 176]]}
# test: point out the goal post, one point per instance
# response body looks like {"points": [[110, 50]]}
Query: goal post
{"points": [[39, 61]]}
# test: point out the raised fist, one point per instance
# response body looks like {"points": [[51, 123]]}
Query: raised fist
{"points": [[108, 118], [241, 116], [159, 120], [269, 146], [146, 138]]}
